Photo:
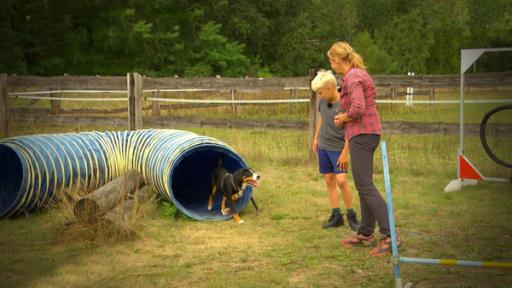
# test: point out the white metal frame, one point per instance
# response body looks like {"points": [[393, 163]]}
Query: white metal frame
{"points": [[467, 58]]}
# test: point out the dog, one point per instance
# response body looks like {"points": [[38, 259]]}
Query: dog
{"points": [[232, 187]]}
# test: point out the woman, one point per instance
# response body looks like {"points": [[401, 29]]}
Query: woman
{"points": [[362, 131]]}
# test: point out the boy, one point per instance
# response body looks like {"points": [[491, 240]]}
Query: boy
{"points": [[331, 149]]}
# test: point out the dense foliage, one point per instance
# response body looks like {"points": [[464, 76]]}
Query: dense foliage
{"points": [[246, 37]]}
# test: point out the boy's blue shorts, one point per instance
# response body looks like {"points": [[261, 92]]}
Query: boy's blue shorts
{"points": [[327, 161]]}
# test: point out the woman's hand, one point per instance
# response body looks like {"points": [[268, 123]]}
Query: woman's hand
{"points": [[343, 160], [315, 145], [340, 119]]}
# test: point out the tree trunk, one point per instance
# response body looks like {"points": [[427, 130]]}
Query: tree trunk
{"points": [[125, 211], [91, 207]]}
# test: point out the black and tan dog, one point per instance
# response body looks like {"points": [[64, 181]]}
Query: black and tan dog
{"points": [[232, 187]]}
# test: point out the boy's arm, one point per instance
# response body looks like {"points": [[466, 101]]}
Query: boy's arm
{"points": [[318, 126], [317, 133]]}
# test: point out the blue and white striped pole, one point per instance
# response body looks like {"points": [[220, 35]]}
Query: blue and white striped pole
{"points": [[389, 200], [455, 262]]}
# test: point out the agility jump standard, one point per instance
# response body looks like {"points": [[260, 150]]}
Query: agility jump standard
{"points": [[426, 261], [467, 173]]}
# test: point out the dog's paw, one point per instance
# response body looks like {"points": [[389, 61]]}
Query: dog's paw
{"points": [[241, 221], [210, 207], [224, 211]]}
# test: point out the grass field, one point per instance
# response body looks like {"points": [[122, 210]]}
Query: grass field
{"points": [[284, 245]]}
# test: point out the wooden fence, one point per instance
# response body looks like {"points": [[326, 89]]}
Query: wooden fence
{"points": [[17, 83], [134, 85]]}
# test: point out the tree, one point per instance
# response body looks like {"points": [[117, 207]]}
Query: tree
{"points": [[448, 35], [235, 38], [408, 40], [376, 59], [217, 55], [12, 59]]}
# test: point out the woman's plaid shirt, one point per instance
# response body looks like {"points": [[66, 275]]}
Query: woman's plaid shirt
{"points": [[358, 95]]}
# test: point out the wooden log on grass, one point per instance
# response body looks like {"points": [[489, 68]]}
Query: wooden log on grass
{"points": [[125, 211], [96, 204]]}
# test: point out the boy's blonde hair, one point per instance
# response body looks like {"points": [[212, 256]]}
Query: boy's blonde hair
{"points": [[343, 50], [323, 78]]}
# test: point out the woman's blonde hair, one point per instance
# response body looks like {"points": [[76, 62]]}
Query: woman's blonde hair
{"points": [[342, 50]]}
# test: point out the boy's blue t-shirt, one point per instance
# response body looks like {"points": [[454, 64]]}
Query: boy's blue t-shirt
{"points": [[331, 136]]}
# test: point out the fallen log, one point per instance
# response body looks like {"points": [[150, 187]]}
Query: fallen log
{"points": [[96, 204], [125, 211]]}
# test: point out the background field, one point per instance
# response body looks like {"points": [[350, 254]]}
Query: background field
{"points": [[284, 244]]}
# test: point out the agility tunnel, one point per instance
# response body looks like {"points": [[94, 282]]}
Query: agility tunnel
{"points": [[179, 164]]}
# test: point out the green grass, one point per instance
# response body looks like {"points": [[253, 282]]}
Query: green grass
{"points": [[284, 245]]}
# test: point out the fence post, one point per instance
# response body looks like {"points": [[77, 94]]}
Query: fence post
{"points": [[432, 95], [393, 92], [4, 112], [233, 107], [171, 105], [135, 101], [294, 97], [155, 105], [313, 108], [55, 104], [409, 98]]}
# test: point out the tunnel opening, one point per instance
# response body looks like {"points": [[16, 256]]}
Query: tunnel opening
{"points": [[11, 177], [190, 180]]}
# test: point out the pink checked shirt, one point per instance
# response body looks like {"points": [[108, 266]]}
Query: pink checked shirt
{"points": [[358, 100]]}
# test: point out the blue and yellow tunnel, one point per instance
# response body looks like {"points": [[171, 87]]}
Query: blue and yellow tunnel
{"points": [[178, 164]]}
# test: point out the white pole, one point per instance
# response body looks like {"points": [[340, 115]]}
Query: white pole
{"points": [[461, 124], [409, 91], [412, 91]]}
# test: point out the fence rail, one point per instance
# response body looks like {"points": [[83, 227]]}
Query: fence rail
{"points": [[17, 83], [134, 89], [259, 101], [69, 98]]}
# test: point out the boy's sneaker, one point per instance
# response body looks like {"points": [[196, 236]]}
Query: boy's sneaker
{"points": [[352, 221], [336, 220]]}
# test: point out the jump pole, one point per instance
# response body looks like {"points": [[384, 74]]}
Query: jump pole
{"points": [[454, 262], [391, 214], [396, 259]]}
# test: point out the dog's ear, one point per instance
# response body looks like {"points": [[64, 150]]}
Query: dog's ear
{"points": [[247, 172]]}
